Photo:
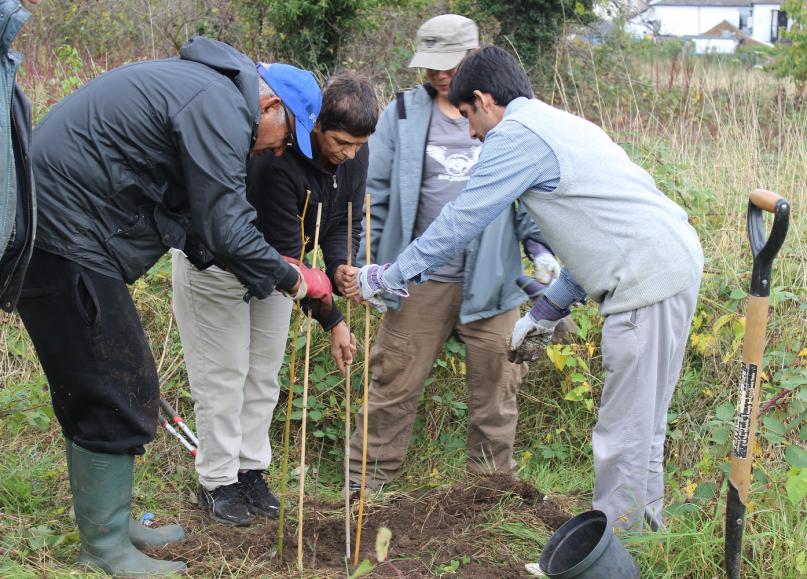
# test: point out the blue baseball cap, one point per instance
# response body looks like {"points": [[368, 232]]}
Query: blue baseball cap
{"points": [[300, 94]]}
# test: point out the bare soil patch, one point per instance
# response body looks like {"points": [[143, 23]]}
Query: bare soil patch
{"points": [[429, 528]]}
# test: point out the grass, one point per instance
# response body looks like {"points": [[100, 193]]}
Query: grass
{"points": [[709, 132]]}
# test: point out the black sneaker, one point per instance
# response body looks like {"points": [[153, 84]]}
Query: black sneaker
{"points": [[225, 504], [257, 496]]}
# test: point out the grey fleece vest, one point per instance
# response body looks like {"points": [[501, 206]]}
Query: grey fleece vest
{"points": [[624, 242]]}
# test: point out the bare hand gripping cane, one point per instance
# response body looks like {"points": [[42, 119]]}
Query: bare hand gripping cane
{"points": [[753, 348]]}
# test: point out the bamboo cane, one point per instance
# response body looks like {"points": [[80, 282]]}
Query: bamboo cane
{"points": [[366, 405], [284, 468], [347, 390], [301, 500]]}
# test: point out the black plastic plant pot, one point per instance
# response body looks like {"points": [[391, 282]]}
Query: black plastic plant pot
{"points": [[585, 547]]}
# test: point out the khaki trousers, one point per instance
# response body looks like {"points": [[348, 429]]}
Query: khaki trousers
{"points": [[409, 342], [233, 351]]}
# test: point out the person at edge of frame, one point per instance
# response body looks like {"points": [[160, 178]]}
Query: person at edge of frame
{"points": [[233, 350], [17, 198], [623, 243], [421, 158], [148, 156]]}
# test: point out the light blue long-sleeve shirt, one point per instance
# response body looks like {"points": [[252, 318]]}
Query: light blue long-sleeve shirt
{"points": [[513, 160]]}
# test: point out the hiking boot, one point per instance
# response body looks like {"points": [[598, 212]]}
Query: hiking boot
{"points": [[225, 504], [102, 498], [354, 489], [259, 499]]}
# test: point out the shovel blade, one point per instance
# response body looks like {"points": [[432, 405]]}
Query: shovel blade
{"points": [[735, 523]]}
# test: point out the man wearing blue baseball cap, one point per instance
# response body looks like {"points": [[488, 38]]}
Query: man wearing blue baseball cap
{"points": [[294, 87], [234, 351], [146, 157]]}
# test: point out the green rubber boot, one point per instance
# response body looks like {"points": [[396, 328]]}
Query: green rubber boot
{"points": [[141, 536], [144, 537], [102, 497]]}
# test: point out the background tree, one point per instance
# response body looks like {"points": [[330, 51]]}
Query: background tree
{"points": [[791, 61], [310, 33], [531, 27]]}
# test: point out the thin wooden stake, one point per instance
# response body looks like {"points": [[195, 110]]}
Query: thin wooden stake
{"points": [[366, 403], [301, 500], [284, 468], [347, 390]]}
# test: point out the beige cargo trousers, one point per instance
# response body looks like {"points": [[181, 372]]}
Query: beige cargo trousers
{"points": [[409, 341]]}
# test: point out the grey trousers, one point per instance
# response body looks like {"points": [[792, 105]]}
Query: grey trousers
{"points": [[233, 351], [643, 351]]}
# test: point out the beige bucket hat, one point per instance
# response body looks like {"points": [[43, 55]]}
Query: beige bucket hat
{"points": [[443, 41]]}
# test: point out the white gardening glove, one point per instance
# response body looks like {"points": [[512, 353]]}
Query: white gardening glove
{"points": [[530, 338], [372, 286], [547, 268]]}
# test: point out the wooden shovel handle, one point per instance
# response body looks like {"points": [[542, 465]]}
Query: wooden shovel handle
{"points": [[765, 200]]}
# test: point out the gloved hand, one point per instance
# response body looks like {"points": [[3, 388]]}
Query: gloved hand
{"points": [[372, 285], [532, 333], [547, 268], [314, 284], [530, 338]]}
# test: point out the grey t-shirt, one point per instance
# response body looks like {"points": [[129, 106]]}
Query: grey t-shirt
{"points": [[450, 157]]}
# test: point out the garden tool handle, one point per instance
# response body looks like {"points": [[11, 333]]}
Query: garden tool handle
{"points": [[765, 250]]}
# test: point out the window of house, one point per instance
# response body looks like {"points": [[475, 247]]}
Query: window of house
{"points": [[778, 22], [745, 20]]}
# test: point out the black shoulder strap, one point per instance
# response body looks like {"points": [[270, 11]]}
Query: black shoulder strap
{"points": [[400, 105]]}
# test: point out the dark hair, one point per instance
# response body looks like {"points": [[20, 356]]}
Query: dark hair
{"points": [[489, 70], [348, 104]]}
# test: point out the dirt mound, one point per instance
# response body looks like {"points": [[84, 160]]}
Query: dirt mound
{"points": [[429, 528]]}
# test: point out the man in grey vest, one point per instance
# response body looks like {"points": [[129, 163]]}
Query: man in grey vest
{"points": [[624, 244]]}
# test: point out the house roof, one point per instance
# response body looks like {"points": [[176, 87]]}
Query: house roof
{"points": [[731, 3], [728, 30]]}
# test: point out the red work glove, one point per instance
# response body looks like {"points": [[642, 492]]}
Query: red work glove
{"points": [[314, 284]]}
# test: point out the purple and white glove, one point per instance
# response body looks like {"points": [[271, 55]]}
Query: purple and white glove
{"points": [[547, 268], [372, 285], [532, 333]]}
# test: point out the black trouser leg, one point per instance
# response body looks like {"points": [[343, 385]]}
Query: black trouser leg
{"points": [[91, 344]]}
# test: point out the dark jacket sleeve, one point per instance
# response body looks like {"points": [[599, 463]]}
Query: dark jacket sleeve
{"points": [[278, 191], [212, 135], [334, 244]]}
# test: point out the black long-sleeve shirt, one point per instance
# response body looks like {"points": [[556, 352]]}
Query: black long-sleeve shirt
{"points": [[277, 186]]}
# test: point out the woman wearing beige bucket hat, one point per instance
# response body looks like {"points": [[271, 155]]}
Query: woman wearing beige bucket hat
{"points": [[421, 157]]}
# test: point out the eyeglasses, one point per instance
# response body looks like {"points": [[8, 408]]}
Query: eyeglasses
{"points": [[292, 142]]}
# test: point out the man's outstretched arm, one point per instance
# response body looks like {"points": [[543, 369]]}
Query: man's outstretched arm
{"points": [[507, 167]]}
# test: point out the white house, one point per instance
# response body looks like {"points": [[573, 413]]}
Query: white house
{"points": [[693, 19], [767, 21]]}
